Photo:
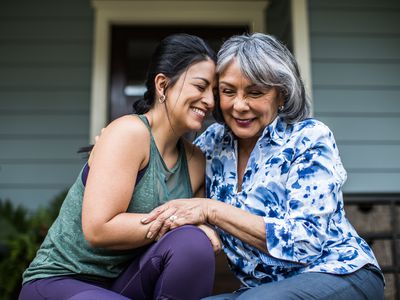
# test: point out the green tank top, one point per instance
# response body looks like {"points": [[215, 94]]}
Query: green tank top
{"points": [[65, 250]]}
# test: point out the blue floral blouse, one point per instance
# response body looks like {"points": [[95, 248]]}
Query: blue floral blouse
{"points": [[294, 180]]}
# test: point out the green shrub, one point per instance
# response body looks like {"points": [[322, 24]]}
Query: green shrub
{"points": [[21, 234]]}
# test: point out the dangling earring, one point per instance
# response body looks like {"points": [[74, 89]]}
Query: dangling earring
{"points": [[280, 108], [162, 99]]}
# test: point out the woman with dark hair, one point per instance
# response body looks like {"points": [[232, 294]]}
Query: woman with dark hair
{"points": [[97, 248], [274, 181]]}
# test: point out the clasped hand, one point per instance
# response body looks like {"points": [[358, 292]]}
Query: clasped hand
{"points": [[177, 213]]}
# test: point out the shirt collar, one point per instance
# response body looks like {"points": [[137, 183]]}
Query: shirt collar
{"points": [[275, 131]]}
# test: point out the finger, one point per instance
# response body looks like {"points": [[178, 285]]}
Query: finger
{"points": [[217, 247], [154, 214], [178, 223], [216, 244], [157, 224], [164, 229]]}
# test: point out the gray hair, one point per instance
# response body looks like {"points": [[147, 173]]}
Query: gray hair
{"points": [[267, 62]]}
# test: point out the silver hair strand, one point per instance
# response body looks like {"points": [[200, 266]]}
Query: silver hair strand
{"points": [[268, 63]]}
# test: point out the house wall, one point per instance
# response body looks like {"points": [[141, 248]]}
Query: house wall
{"points": [[356, 86], [45, 73]]}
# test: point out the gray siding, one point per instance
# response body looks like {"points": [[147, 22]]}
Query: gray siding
{"points": [[45, 70], [356, 86]]}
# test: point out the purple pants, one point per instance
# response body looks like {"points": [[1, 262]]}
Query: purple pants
{"points": [[180, 265]]}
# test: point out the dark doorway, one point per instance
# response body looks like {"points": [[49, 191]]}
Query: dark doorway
{"points": [[131, 49]]}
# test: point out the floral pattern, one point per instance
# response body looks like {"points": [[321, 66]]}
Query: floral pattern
{"points": [[294, 180]]}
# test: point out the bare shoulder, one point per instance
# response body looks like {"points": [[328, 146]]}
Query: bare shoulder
{"points": [[124, 137], [128, 125]]}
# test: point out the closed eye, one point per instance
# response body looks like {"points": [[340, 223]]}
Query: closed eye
{"points": [[201, 88], [255, 94], [227, 92]]}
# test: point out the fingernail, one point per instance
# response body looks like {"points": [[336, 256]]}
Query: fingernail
{"points": [[143, 220], [149, 235]]}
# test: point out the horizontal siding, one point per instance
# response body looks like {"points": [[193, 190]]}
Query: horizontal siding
{"points": [[365, 49], [32, 150], [362, 129], [356, 101], [354, 22], [28, 101], [45, 75], [45, 9], [25, 77], [376, 182], [56, 29], [45, 54], [356, 86], [31, 198], [358, 5], [362, 158], [39, 125], [51, 175], [348, 74]]}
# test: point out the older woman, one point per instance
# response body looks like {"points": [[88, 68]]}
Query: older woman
{"points": [[274, 185]]}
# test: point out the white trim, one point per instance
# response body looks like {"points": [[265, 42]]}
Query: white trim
{"points": [[301, 42], [108, 12]]}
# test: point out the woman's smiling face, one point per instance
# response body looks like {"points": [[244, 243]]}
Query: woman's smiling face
{"points": [[247, 108], [192, 97]]}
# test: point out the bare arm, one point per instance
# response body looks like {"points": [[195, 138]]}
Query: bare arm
{"points": [[119, 155], [247, 227]]}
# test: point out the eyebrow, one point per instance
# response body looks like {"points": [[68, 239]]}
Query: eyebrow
{"points": [[231, 85], [226, 83], [203, 79]]}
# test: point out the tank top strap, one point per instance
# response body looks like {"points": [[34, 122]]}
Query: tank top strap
{"points": [[143, 118]]}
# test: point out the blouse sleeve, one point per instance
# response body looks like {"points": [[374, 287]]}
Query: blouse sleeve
{"points": [[200, 142], [313, 195]]}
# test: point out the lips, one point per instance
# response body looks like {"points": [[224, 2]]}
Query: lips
{"points": [[244, 122], [200, 112]]}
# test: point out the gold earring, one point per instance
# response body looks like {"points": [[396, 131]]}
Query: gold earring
{"points": [[162, 99]]}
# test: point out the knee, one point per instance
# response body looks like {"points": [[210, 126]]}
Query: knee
{"points": [[191, 241]]}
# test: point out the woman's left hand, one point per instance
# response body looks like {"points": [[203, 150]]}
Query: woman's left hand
{"points": [[176, 213], [213, 236]]}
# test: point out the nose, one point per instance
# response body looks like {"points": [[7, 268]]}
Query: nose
{"points": [[208, 99], [240, 103]]}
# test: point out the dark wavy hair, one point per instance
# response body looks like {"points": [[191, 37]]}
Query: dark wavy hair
{"points": [[172, 57]]}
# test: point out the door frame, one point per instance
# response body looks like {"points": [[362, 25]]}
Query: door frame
{"points": [[251, 13], [109, 12]]}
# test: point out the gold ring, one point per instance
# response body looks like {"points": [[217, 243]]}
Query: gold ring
{"points": [[173, 218]]}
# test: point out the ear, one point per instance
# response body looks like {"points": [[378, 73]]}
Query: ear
{"points": [[281, 98], [160, 82]]}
